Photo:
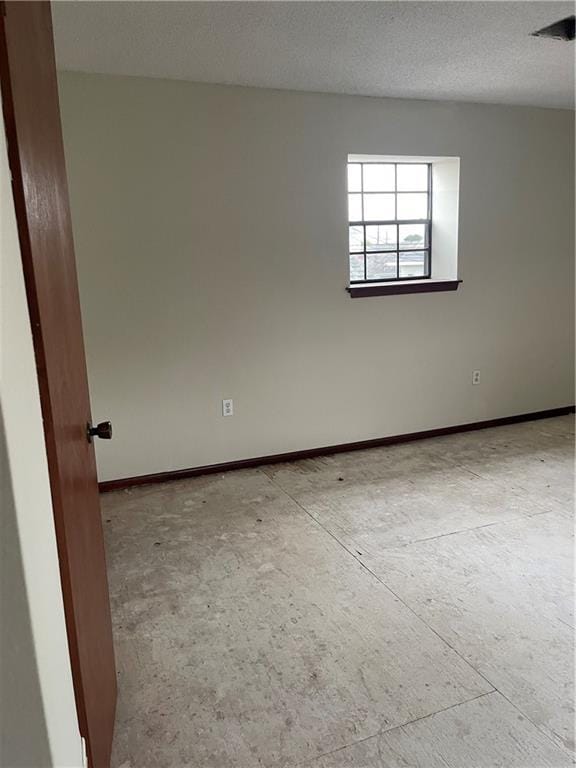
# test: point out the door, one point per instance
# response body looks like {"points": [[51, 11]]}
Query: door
{"points": [[36, 156]]}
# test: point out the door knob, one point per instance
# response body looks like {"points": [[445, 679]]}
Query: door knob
{"points": [[103, 430]]}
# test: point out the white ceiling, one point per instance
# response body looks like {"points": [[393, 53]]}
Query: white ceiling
{"points": [[464, 51]]}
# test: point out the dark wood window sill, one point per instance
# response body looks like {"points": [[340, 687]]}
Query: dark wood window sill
{"points": [[409, 286]]}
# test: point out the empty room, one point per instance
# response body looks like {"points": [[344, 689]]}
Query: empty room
{"points": [[287, 384]]}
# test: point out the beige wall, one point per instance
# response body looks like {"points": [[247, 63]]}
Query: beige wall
{"points": [[38, 723], [210, 227]]}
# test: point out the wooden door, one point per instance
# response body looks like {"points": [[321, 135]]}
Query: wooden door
{"points": [[36, 156]]}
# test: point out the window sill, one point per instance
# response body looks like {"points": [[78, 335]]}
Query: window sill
{"points": [[408, 286]]}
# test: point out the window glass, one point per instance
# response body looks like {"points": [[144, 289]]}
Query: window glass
{"points": [[356, 266], [356, 235], [379, 207], [380, 266], [354, 207], [381, 237], [412, 206], [354, 177], [413, 263], [379, 177], [412, 235], [412, 177]]}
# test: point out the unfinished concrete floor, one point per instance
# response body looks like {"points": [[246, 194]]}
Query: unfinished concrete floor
{"points": [[409, 606]]}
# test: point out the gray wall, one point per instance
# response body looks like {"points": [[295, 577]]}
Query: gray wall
{"points": [[211, 236]]}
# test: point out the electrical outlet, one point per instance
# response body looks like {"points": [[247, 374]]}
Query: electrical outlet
{"points": [[228, 407], [475, 377]]}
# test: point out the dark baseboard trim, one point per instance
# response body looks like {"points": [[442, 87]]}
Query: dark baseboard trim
{"points": [[310, 453]]}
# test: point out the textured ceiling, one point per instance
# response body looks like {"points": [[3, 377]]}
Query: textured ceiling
{"points": [[465, 51]]}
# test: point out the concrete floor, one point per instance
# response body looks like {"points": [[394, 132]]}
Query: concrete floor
{"points": [[409, 606]]}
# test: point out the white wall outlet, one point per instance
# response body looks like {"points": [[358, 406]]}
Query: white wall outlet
{"points": [[475, 377], [227, 407]]}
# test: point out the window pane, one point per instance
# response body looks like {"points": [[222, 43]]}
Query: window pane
{"points": [[413, 263], [378, 177], [354, 178], [356, 266], [381, 237], [354, 207], [412, 178], [380, 266], [378, 207], [356, 235], [412, 235], [413, 206]]}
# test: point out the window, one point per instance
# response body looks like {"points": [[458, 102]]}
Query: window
{"points": [[390, 221]]}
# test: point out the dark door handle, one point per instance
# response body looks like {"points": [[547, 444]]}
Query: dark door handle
{"points": [[102, 430]]}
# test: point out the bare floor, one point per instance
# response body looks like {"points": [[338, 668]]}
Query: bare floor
{"points": [[401, 607]]}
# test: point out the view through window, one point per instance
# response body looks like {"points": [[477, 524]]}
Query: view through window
{"points": [[390, 224]]}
